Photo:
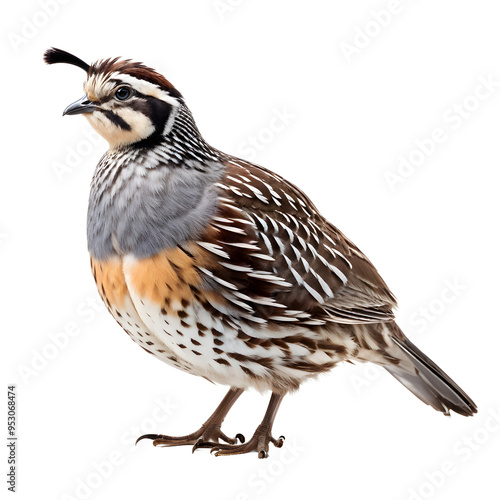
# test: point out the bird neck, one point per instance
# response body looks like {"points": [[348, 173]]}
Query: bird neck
{"points": [[179, 143], [169, 184]]}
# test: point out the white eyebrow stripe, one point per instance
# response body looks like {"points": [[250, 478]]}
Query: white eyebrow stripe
{"points": [[142, 86]]}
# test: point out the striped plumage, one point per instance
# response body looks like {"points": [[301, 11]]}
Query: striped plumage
{"points": [[224, 269]]}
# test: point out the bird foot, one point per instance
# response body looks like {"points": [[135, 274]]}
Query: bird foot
{"points": [[259, 443], [205, 437]]}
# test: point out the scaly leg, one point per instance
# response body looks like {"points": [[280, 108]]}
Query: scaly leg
{"points": [[262, 437], [209, 433]]}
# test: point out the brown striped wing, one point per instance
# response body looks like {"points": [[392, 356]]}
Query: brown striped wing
{"points": [[279, 259]]}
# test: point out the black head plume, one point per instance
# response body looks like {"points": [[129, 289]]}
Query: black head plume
{"points": [[54, 56]]}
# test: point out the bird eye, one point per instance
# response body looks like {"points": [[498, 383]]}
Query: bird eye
{"points": [[123, 93]]}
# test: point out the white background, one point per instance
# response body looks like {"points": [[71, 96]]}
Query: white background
{"points": [[354, 433]]}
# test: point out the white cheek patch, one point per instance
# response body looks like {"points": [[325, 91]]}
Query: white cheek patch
{"points": [[100, 87], [141, 127]]}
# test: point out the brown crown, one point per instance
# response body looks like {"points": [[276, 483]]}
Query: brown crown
{"points": [[108, 66], [135, 69]]}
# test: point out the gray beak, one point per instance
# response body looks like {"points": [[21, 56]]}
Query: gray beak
{"points": [[83, 105]]}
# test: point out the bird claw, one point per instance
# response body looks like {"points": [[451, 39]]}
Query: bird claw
{"points": [[202, 438], [203, 444], [278, 442], [148, 436], [258, 443]]}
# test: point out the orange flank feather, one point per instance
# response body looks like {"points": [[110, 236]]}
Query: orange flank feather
{"points": [[110, 281], [166, 278]]}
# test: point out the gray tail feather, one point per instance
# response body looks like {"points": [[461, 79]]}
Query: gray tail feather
{"points": [[429, 383]]}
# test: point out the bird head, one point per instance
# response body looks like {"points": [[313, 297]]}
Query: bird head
{"points": [[126, 102]]}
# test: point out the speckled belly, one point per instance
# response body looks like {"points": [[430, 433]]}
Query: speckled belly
{"points": [[210, 343], [158, 302], [113, 290]]}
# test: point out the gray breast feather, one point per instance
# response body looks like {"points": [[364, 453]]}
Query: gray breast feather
{"points": [[141, 211]]}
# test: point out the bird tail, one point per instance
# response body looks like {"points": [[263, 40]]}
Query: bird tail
{"points": [[426, 380]]}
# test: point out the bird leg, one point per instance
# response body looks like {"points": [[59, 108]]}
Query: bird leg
{"points": [[209, 433], [261, 438]]}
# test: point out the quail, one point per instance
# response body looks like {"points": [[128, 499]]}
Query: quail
{"points": [[224, 269]]}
